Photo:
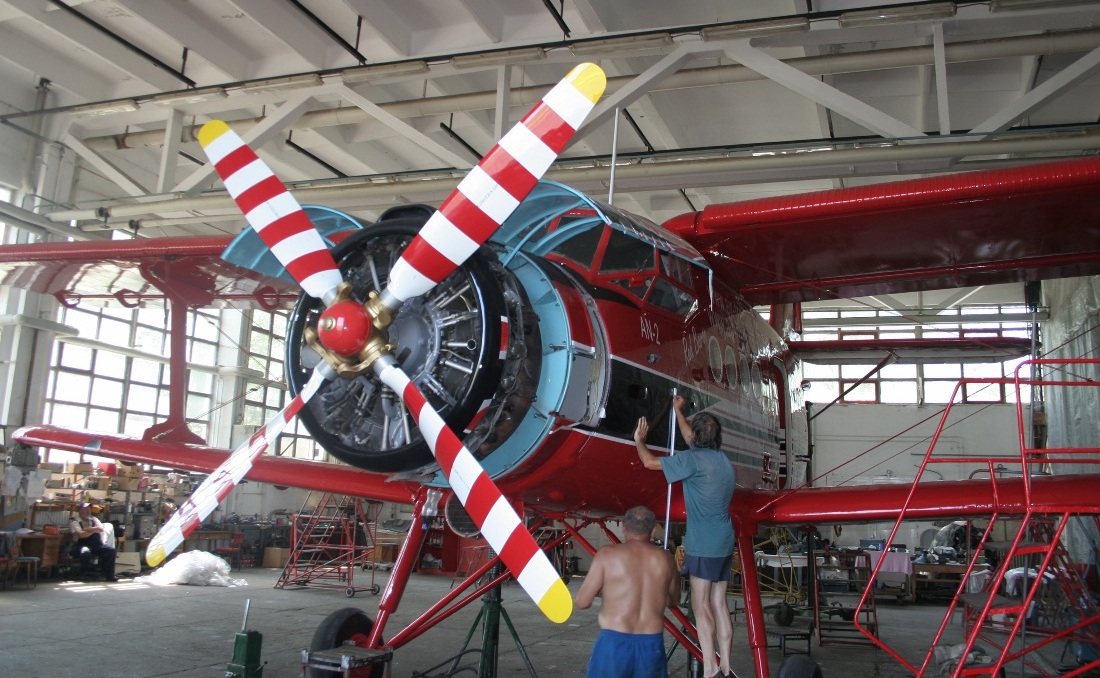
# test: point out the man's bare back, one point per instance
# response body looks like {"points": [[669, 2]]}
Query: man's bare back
{"points": [[636, 580]]}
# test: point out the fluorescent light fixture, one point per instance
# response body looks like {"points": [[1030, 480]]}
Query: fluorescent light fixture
{"points": [[106, 107], [629, 43], [352, 76], [897, 14], [754, 29], [1011, 5], [191, 96], [280, 84], [502, 58]]}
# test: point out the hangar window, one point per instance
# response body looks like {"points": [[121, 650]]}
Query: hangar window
{"points": [[263, 398], [900, 383], [93, 386]]}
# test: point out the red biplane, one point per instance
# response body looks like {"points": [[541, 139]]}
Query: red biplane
{"points": [[540, 332]]}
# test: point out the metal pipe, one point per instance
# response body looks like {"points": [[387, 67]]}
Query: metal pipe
{"points": [[830, 64], [692, 174]]}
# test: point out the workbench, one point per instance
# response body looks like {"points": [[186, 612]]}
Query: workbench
{"points": [[928, 578]]}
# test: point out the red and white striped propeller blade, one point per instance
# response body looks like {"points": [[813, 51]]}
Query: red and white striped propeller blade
{"points": [[495, 187], [498, 521], [218, 484], [272, 211]]}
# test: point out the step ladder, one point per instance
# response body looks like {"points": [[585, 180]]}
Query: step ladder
{"points": [[328, 543], [1006, 627], [1043, 603]]}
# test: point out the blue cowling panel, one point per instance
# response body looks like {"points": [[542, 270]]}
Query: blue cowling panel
{"points": [[248, 251]]}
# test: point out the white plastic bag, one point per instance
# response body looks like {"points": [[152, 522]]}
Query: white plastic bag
{"points": [[195, 568]]}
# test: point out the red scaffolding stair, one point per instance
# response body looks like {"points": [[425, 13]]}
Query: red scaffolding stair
{"points": [[1036, 596], [330, 542]]}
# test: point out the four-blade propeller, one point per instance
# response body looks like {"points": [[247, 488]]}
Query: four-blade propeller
{"points": [[351, 336]]}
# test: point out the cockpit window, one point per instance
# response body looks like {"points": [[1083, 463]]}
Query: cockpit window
{"points": [[671, 298], [581, 248], [636, 285], [627, 254], [677, 269]]}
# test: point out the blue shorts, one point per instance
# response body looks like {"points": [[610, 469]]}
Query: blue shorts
{"points": [[711, 569], [628, 655]]}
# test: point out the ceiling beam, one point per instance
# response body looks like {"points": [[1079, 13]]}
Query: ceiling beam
{"points": [[105, 167], [213, 44], [384, 21], [86, 40], [1067, 77], [63, 72], [271, 127], [824, 95], [404, 129], [640, 85], [288, 26]]}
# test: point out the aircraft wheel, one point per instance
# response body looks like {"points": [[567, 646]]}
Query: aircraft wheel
{"points": [[799, 666], [349, 592], [784, 614], [347, 623]]}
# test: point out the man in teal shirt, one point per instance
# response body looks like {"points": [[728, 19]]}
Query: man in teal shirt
{"points": [[708, 479]]}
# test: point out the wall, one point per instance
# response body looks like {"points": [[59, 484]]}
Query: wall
{"points": [[864, 444]]}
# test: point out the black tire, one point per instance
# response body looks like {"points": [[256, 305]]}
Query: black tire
{"points": [[347, 623], [784, 614], [799, 666], [349, 592]]}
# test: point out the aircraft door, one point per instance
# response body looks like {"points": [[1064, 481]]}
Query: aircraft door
{"points": [[794, 454]]}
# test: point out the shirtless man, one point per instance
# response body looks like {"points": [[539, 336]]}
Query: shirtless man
{"points": [[637, 581]]}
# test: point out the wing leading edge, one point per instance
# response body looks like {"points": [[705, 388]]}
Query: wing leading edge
{"points": [[140, 273], [962, 230]]}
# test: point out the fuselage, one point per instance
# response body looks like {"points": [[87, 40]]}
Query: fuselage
{"points": [[631, 316]]}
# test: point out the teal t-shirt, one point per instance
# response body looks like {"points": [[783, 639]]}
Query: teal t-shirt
{"points": [[708, 488]]}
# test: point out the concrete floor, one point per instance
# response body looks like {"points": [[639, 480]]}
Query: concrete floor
{"points": [[130, 628]]}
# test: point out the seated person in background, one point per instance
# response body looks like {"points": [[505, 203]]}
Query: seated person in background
{"points": [[93, 538]]}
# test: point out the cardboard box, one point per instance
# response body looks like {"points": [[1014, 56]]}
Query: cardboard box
{"points": [[52, 467], [56, 484], [127, 484], [79, 468], [130, 470], [276, 557], [97, 483]]}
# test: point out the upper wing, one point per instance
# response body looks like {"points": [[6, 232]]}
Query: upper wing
{"points": [[140, 272], [312, 475], [977, 228], [911, 351]]}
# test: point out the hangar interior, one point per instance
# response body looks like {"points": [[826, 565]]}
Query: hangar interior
{"points": [[372, 107]]}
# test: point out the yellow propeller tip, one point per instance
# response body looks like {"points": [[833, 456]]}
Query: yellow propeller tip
{"points": [[211, 131], [154, 556], [589, 79], [557, 604]]}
